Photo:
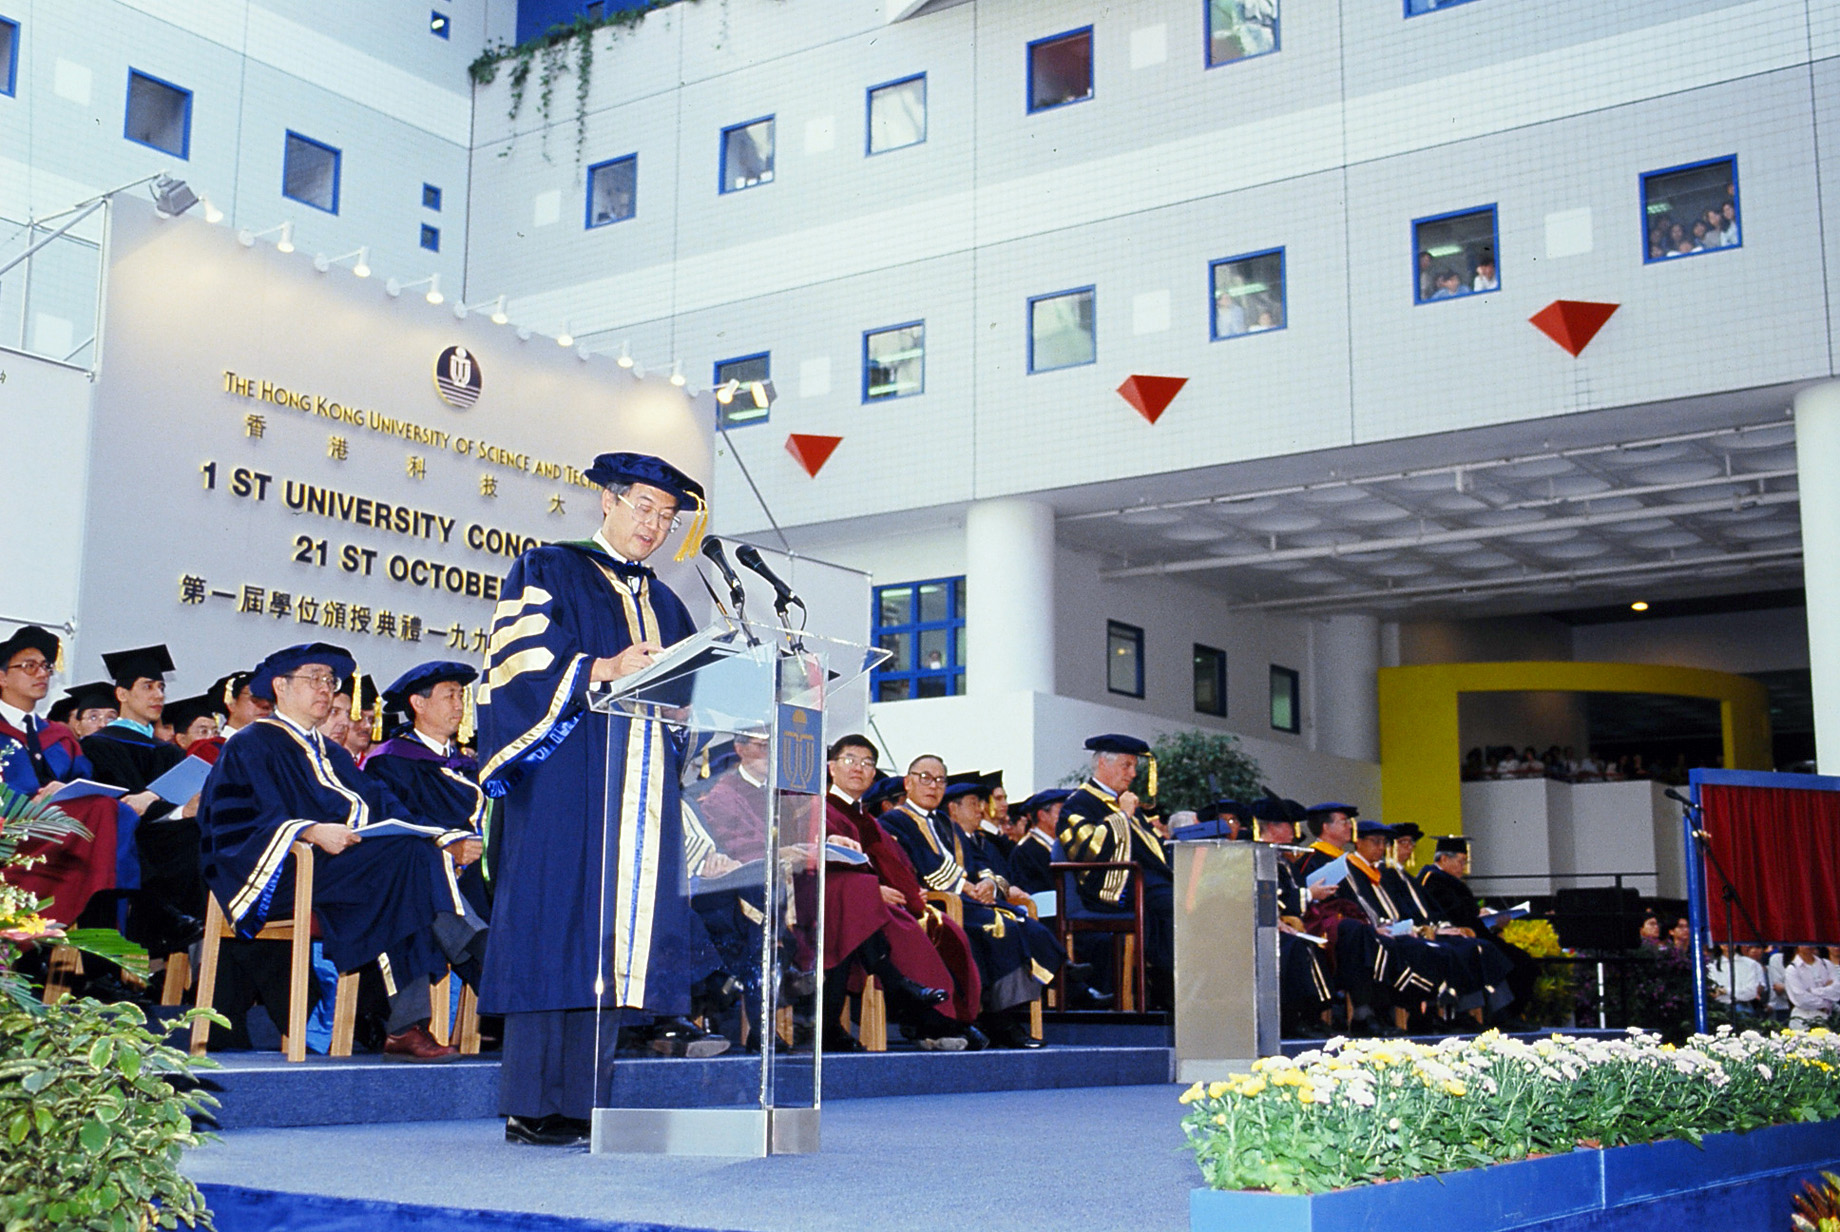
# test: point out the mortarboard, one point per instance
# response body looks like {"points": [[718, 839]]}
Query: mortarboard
{"points": [[143, 663], [30, 637], [973, 788], [1452, 845], [188, 710], [961, 778], [616, 468], [1407, 829], [97, 695], [60, 709], [1318, 810], [992, 780], [425, 676], [224, 689], [1115, 743], [1373, 829], [885, 789], [285, 660]]}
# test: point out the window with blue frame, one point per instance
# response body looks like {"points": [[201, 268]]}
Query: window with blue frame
{"points": [[431, 198], [438, 24], [923, 625], [1061, 69], [894, 361], [1061, 330], [1210, 681], [1248, 293], [737, 407], [1124, 659], [310, 173], [1286, 700], [1690, 210], [9, 55], [613, 190], [159, 114], [747, 155], [1455, 255], [1416, 7], [431, 238], [1240, 29], [897, 114]]}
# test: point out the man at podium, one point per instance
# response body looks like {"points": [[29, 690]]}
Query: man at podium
{"points": [[591, 931]]}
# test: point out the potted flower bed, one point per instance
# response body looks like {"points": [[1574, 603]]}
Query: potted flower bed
{"points": [[1495, 1133]]}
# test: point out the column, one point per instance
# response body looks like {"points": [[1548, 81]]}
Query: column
{"points": [[1009, 585], [1817, 455], [1345, 663]]}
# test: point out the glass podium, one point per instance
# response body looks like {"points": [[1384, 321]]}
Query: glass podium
{"points": [[725, 730]]}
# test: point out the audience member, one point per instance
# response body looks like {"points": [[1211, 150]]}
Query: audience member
{"points": [[1812, 986]]}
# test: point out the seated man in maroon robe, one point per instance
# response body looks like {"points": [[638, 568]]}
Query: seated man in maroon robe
{"points": [[879, 907]]}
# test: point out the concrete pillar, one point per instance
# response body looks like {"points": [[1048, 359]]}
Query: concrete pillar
{"points": [[1817, 456], [1009, 584], [1345, 662]]}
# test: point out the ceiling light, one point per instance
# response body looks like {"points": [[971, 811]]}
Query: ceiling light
{"points": [[248, 238], [565, 339], [1640, 605], [498, 312], [212, 214], [360, 260], [395, 287], [626, 359], [171, 197], [286, 242], [726, 391], [677, 374]]}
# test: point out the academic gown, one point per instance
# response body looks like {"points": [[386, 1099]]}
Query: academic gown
{"points": [[893, 869], [1466, 966], [1303, 979], [167, 841], [1015, 960], [854, 909], [1029, 861], [1451, 897], [74, 867], [589, 879], [378, 899], [1093, 830], [442, 790]]}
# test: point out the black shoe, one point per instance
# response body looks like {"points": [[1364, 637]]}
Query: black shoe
{"points": [[901, 986], [975, 1040], [1011, 1033], [714, 993], [1076, 973], [841, 1041], [1086, 997], [679, 1037], [554, 1130]]}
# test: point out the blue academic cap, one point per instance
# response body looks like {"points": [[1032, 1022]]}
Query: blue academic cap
{"points": [[973, 788], [1317, 810], [1372, 829], [281, 662], [425, 676], [612, 468], [1115, 743], [886, 788]]}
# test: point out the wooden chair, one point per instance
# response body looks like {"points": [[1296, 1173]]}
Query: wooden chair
{"points": [[465, 1024], [871, 1018], [955, 911], [178, 978], [64, 963], [1127, 930], [297, 931]]}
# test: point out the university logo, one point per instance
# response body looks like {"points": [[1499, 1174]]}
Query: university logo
{"points": [[800, 759], [456, 377]]}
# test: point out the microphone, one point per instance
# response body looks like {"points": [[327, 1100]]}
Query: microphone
{"points": [[712, 548], [749, 555], [1673, 794]]}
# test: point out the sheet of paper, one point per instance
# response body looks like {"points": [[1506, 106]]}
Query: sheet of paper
{"points": [[84, 788], [1330, 873], [1047, 904], [182, 782]]}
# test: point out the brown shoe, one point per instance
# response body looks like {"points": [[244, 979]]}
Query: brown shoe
{"points": [[415, 1044]]}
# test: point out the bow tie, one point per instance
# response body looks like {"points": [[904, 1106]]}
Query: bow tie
{"points": [[627, 568]]}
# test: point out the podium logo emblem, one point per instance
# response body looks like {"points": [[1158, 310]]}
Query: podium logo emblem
{"points": [[801, 760], [457, 378]]}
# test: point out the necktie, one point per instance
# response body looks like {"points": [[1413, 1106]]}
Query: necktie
{"points": [[36, 752]]}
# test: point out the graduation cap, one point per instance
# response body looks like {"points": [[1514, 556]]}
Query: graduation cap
{"points": [[30, 637], [973, 788], [992, 780], [1112, 742], [1234, 809], [1452, 845], [188, 710], [886, 788], [60, 709], [1323, 810], [97, 695], [1373, 829], [961, 778], [285, 660], [225, 688], [425, 676], [143, 663], [1408, 829], [617, 468]]}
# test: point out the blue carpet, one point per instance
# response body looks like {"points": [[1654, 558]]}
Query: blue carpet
{"points": [[1074, 1160]]}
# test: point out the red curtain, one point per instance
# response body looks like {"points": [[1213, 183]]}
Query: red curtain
{"points": [[1781, 849]]}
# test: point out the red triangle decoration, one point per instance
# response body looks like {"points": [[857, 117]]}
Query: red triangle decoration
{"points": [[1572, 323], [812, 451], [1151, 395]]}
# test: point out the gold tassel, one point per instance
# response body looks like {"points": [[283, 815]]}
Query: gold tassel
{"points": [[693, 538], [468, 719], [58, 667], [229, 694], [357, 693], [1150, 781], [377, 722]]}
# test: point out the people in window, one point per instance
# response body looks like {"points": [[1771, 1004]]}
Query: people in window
{"points": [[1485, 279]]}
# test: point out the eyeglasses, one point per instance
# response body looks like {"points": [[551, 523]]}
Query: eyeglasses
{"points": [[922, 777], [650, 515], [318, 680], [856, 763], [31, 667]]}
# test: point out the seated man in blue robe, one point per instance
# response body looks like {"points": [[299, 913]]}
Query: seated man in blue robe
{"points": [[593, 934], [390, 896], [425, 768]]}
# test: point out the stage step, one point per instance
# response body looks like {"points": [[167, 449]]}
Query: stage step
{"points": [[262, 1090]]}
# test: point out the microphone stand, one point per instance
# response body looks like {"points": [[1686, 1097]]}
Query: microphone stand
{"points": [[1694, 813]]}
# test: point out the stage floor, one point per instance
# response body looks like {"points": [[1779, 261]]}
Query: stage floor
{"points": [[1091, 1159]]}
